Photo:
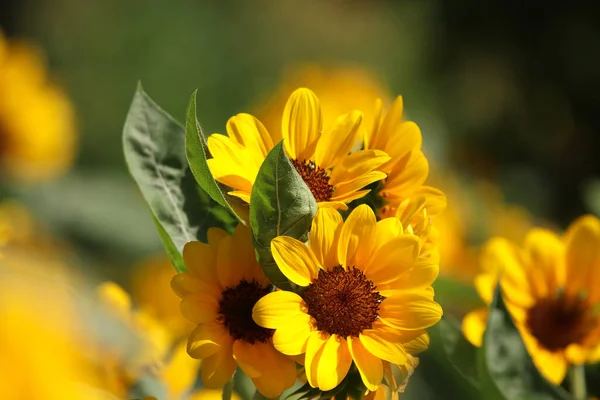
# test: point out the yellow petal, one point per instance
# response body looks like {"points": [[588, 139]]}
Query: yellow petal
{"points": [[384, 344], [410, 310], [251, 133], [231, 175], [324, 235], [291, 338], [400, 138], [485, 284], [357, 164], [201, 259], [380, 138], [295, 260], [336, 205], [228, 270], [248, 357], [418, 344], [552, 365], [344, 189], [245, 196], [334, 363], [236, 157], [544, 252], [314, 350], [499, 256], [358, 226], [186, 283], [340, 202], [199, 308], [217, 369], [369, 134], [407, 175], [301, 124], [392, 259], [369, 366], [275, 309], [473, 326], [207, 339], [337, 141], [421, 275], [279, 372], [582, 250], [435, 199]]}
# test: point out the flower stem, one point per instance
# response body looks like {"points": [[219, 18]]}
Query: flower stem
{"points": [[577, 382]]}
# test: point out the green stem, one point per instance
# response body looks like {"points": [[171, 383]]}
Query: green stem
{"points": [[227, 390], [577, 382]]}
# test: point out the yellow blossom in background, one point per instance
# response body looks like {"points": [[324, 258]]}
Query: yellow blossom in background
{"points": [[155, 350], [320, 156], [152, 294], [408, 168], [222, 284], [551, 286], [476, 211], [37, 128], [39, 336], [339, 89], [367, 298]]}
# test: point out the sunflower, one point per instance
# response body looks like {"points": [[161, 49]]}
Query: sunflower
{"points": [[222, 284], [551, 286], [367, 298], [37, 128], [321, 158], [408, 167]]}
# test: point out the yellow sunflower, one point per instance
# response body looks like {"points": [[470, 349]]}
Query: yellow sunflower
{"points": [[37, 128], [551, 286], [408, 167], [367, 298], [222, 284], [334, 177]]}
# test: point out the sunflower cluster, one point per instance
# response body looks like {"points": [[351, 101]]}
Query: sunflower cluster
{"points": [[358, 298]]}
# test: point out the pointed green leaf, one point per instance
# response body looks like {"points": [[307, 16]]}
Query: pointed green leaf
{"points": [[196, 152], [154, 147], [460, 352], [506, 368], [280, 205]]}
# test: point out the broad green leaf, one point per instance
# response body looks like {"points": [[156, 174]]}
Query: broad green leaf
{"points": [[460, 352], [280, 205], [506, 368], [154, 147], [196, 152]]}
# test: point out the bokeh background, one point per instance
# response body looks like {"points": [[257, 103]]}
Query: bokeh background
{"points": [[507, 96]]}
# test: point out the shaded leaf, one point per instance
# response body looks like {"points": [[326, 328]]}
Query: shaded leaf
{"points": [[460, 352], [506, 368], [280, 205], [154, 147], [196, 152]]}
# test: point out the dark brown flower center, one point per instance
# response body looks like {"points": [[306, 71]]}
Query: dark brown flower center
{"points": [[342, 302], [316, 179], [235, 311], [557, 322]]}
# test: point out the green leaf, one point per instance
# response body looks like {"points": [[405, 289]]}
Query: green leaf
{"points": [[280, 205], [506, 368], [460, 352], [196, 151], [154, 147]]}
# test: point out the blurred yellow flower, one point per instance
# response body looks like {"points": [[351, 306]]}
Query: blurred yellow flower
{"points": [[476, 211], [156, 351], [551, 286], [152, 294], [222, 284], [41, 351], [37, 128], [320, 157], [367, 298], [408, 168]]}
